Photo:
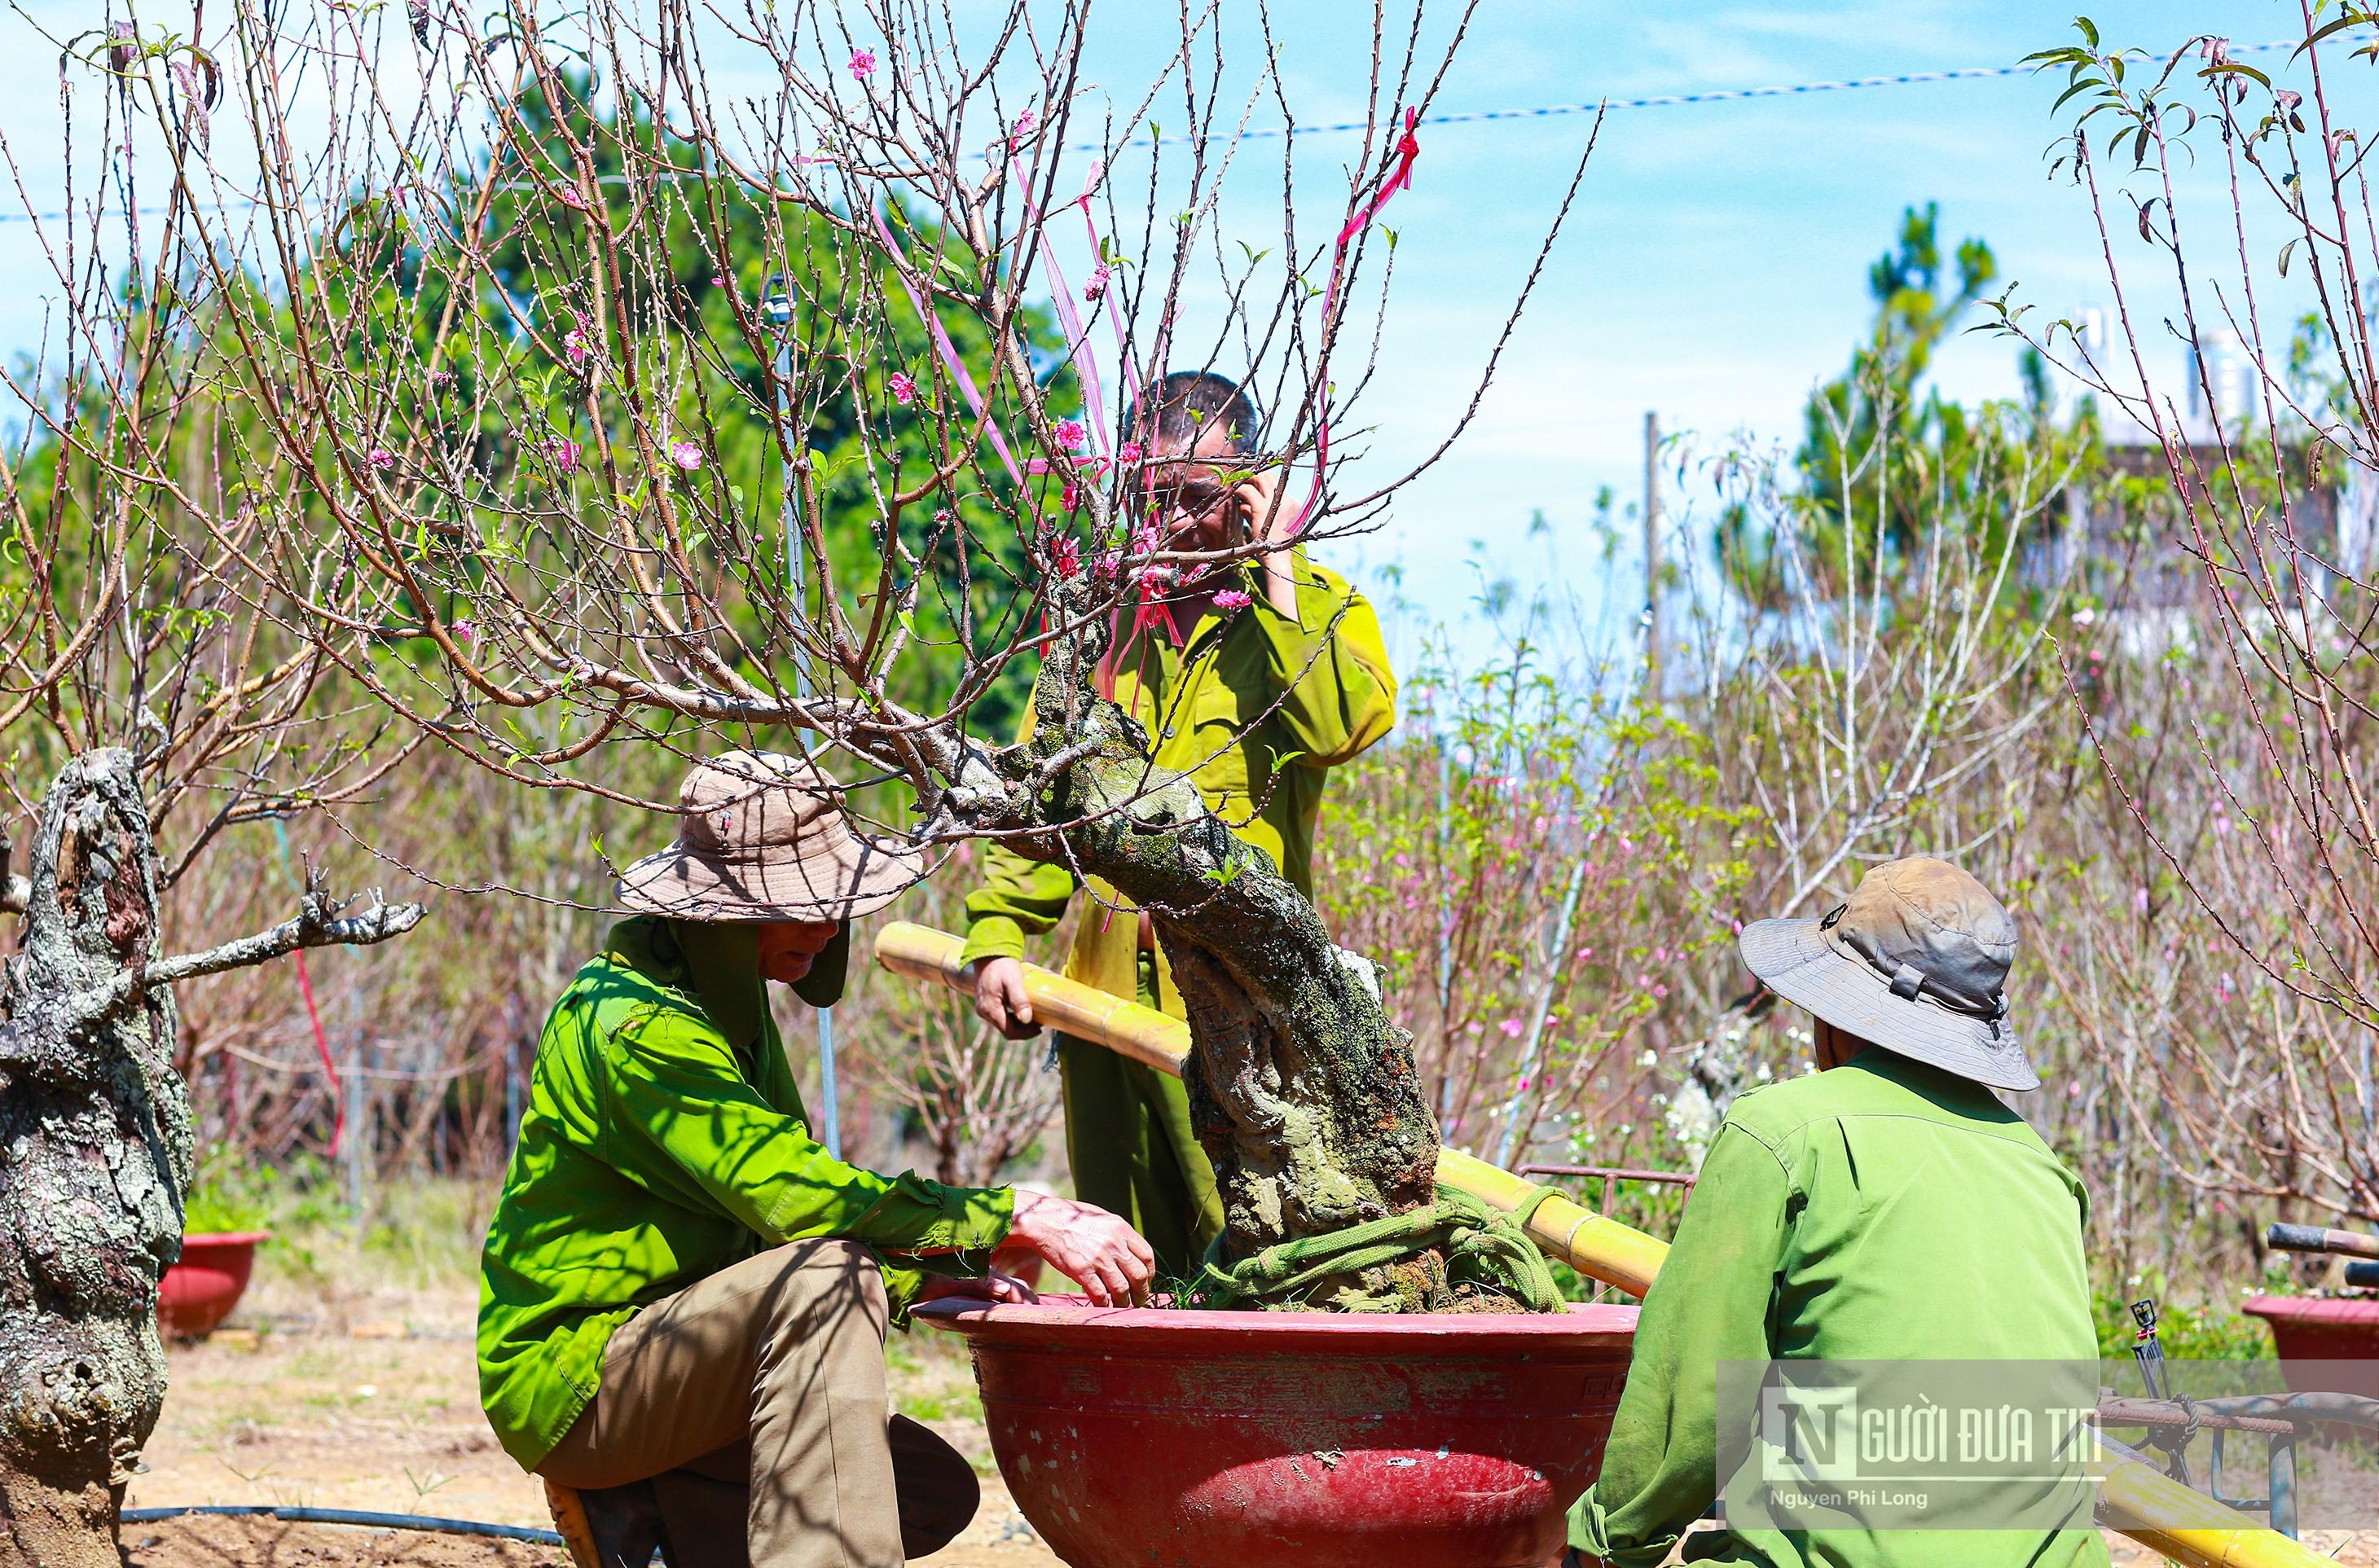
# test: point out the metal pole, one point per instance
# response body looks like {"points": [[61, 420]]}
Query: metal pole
{"points": [[830, 1110], [512, 1094], [1655, 634], [778, 309], [1445, 921]]}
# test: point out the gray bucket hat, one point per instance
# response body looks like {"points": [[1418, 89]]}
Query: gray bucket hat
{"points": [[764, 837], [1916, 962]]}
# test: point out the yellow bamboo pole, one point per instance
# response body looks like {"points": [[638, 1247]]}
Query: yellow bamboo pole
{"points": [[1600, 1248], [2194, 1528]]}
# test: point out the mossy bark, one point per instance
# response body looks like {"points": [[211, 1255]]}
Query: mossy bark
{"points": [[94, 1160], [1303, 1092]]}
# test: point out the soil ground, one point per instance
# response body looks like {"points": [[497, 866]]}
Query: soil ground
{"points": [[364, 1396]]}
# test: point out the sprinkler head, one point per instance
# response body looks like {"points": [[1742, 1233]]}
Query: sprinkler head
{"points": [[777, 302]]}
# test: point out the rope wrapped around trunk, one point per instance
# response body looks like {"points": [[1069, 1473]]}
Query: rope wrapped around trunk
{"points": [[1483, 1247]]}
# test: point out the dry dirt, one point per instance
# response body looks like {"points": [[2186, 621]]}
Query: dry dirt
{"points": [[366, 1398]]}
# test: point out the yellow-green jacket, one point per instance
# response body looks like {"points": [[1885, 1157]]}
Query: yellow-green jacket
{"points": [[665, 1140], [1256, 708]]}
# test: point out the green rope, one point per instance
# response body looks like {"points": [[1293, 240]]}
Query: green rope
{"points": [[1484, 1246]]}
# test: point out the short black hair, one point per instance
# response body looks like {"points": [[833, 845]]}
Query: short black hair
{"points": [[1188, 402]]}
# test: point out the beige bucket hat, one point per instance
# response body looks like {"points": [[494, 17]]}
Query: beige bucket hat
{"points": [[1915, 962], [764, 837]]}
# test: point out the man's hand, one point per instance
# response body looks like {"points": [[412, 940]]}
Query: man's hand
{"points": [[991, 1287], [1000, 1000], [1089, 1245], [1268, 515]]}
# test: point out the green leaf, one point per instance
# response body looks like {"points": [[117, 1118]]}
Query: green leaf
{"points": [[2349, 19], [2234, 68], [2081, 86]]}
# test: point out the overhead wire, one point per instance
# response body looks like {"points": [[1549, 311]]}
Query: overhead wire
{"points": [[1485, 117], [1662, 100]]}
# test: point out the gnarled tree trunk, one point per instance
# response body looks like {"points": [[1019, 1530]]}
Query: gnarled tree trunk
{"points": [[95, 1152], [1304, 1094], [94, 1159]]}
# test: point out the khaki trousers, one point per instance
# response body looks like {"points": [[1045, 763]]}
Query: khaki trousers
{"points": [[768, 1376]]}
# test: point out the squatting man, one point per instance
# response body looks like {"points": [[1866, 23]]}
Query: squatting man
{"points": [[684, 1296]]}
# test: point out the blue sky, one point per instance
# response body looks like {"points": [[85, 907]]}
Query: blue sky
{"points": [[1713, 270], [1715, 267]]}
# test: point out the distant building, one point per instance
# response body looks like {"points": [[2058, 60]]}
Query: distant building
{"points": [[2127, 541], [2224, 384]]}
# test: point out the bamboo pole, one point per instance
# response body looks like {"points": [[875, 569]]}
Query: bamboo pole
{"points": [[2194, 1529], [1600, 1248]]}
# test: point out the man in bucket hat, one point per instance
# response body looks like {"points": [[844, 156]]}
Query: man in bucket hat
{"points": [[683, 1297], [1886, 1208]]}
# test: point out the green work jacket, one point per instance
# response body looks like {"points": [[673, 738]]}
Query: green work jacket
{"points": [[1883, 1211], [664, 1141], [1256, 708]]}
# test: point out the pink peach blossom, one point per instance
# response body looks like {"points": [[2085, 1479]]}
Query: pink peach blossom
{"points": [[685, 454], [1232, 599], [904, 390], [863, 62], [1070, 434]]}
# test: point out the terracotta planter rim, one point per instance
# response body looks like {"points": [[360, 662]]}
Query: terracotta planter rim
{"points": [[226, 1237], [1600, 1323], [2359, 1308]]}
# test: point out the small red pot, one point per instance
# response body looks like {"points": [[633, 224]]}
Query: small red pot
{"points": [[2314, 1334], [199, 1292], [1140, 1437]]}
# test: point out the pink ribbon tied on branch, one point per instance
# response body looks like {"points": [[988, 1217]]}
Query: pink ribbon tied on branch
{"points": [[1398, 178]]}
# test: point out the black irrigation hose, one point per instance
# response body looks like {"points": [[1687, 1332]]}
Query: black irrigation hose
{"points": [[348, 1517]]}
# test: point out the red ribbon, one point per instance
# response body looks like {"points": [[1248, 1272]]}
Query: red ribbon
{"points": [[1398, 178], [1070, 319], [322, 1049], [948, 352]]}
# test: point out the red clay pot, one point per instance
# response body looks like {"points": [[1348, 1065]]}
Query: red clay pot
{"points": [[1152, 1438], [2314, 1334], [199, 1292]]}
